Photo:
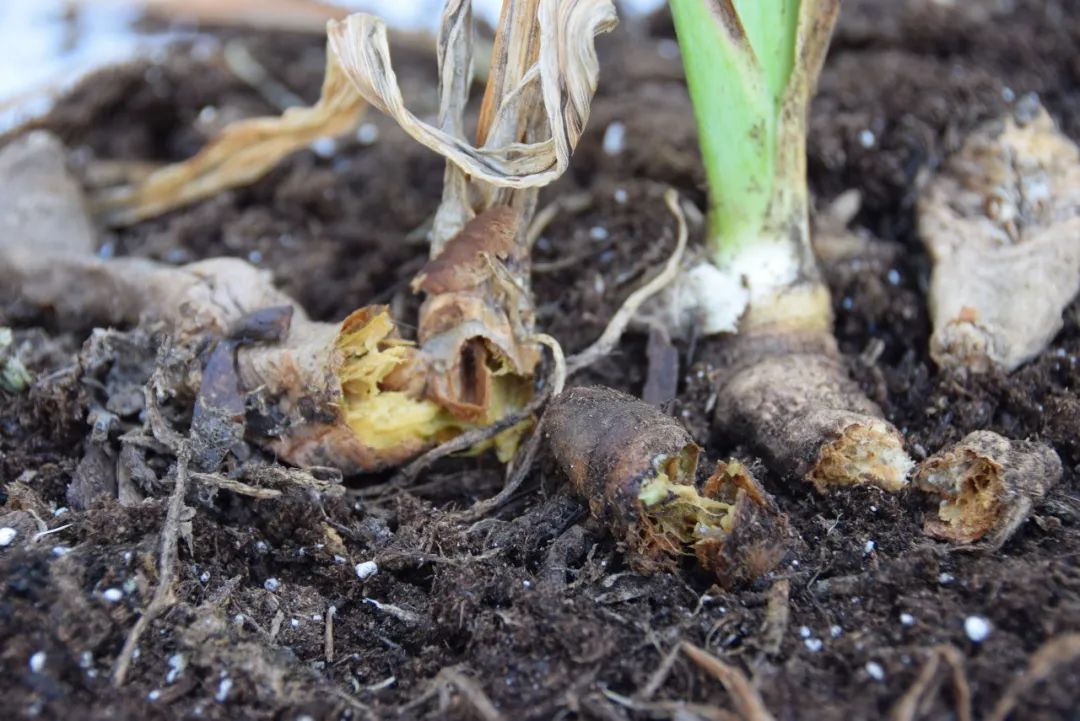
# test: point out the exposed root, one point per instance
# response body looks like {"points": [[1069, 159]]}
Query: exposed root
{"points": [[791, 398], [1002, 224], [574, 203], [988, 486], [1053, 654], [328, 634], [472, 693], [234, 486], [636, 469], [747, 700], [659, 676], [665, 709], [910, 705], [516, 473], [163, 597], [607, 341]]}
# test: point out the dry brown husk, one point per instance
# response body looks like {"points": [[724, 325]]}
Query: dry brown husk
{"points": [[1002, 224], [988, 486], [612, 446]]}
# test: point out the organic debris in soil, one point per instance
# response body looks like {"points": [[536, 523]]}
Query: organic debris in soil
{"points": [[535, 606]]}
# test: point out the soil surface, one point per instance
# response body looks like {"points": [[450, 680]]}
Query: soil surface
{"points": [[535, 606]]}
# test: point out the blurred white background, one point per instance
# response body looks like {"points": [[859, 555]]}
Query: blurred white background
{"points": [[46, 43]]}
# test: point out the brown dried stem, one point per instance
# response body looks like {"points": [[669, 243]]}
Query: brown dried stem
{"points": [[163, 596]]}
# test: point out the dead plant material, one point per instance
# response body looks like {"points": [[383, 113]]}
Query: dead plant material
{"points": [[357, 395], [163, 596], [636, 468], [242, 153], [1002, 224], [911, 704], [471, 691], [1055, 653], [777, 617], [748, 702], [551, 46], [988, 486], [791, 398], [46, 210], [476, 325], [607, 341], [349, 395], [353, 395]]}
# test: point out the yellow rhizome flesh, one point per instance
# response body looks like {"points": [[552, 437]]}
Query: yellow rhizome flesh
{"points": [[677, 510], [385, 419], [975, 503]]}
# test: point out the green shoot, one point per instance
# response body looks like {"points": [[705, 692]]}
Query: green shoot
{"points": [[751, 66]]}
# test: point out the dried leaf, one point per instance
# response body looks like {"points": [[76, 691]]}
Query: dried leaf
{"points": [[567, 70], [241, 154]]}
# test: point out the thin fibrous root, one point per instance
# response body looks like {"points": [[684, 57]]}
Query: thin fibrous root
{"points": [[791, 398], [636, 469], [1002, 224], [1057, 652], [471, 691], [163, 596], [929, 681], [747, 700], [477, 436], [987, 485], [623, 317]]}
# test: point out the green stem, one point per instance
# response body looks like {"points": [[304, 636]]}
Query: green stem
{"points": [[751, 66]]}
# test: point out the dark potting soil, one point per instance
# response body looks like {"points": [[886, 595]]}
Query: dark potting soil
{"points": [[536, 604]]}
